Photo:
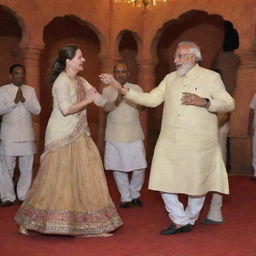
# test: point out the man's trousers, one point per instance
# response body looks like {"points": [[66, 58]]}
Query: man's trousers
{"points": [[129, 189], [25, 166], [176, 211]]}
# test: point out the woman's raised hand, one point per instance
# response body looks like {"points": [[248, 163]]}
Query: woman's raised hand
{"points": [[110, 80]]}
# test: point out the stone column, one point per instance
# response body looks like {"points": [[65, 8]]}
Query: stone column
{"points": [[107, 63], [146, 79], [240, 141], [31, 54], [146, 74]]}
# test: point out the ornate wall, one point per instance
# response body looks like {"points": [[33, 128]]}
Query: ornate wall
{"points": [[31, 31]]}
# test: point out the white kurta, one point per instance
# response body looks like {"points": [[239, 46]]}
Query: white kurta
{"points": [[125, 156], [9, 148], [16, 118], [123, 122], [17, 133], [187, 157], [17, 139], [124, 150]]}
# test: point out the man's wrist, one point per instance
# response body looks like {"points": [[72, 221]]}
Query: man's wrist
{"points": [[124, 90], [207, 103]]}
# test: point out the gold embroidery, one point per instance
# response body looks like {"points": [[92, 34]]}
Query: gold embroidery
{"points": [[68, 222], [78, 131]]}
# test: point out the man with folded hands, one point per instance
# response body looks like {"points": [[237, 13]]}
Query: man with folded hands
{"points": [[124, 150]]}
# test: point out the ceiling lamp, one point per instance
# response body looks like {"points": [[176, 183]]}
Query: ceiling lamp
{"points": [[142, 3]]}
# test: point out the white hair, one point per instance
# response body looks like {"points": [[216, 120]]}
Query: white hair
{"points": [[193, 49]]}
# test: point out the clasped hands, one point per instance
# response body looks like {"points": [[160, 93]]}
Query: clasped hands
{"points": [[19, 96]]}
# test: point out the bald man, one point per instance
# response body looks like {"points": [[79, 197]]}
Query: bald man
{"points": [[124, 151]]}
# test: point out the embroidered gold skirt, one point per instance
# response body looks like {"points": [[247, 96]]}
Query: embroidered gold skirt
{"points": [[69, 195]]}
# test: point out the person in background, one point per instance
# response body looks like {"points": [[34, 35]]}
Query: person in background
{"points": [[251, 131], [18, 102], [214, 215], [124, 150]]}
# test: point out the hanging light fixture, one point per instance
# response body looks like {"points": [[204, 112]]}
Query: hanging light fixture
{"points": [[142, 3]]}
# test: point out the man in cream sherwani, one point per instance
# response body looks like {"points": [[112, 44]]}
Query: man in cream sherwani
{"points": [[124, 151], [17, 103], [187, 157]]}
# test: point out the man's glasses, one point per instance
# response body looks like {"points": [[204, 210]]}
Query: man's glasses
{"points": [[181, 56]]}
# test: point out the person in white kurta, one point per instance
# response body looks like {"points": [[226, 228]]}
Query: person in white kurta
{"points": [[1, 180], [18, 102], [1, 174], [187, 157], [252, 129], [214, 215], [124, 150]]}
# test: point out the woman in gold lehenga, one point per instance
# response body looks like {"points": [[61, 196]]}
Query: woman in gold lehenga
{"points": [[69, 195]]}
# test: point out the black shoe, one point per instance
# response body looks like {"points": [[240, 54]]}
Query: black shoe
{"points": [[6, 203], [211, 222], [137, 202], [125, 205], [174, 230], [20, 201], [253, 178]]}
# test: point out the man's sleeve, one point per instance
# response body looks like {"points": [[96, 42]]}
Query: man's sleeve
{"points": [[6, 102], [221, 101], [32, 103], [152, 99]]}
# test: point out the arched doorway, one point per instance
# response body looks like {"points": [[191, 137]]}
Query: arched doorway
{"points": [[10, 36], [128, 50]]}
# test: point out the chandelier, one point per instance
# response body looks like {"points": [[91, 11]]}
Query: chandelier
{"points": [[142, 3]]}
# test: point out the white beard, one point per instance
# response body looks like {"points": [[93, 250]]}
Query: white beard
{"points": [[184, 69]]}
